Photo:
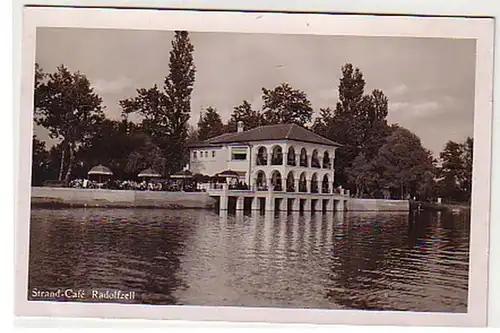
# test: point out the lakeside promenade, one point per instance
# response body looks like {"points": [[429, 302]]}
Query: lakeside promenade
{"points": [[75, 197]]}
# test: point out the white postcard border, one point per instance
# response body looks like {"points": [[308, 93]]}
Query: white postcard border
{"points": [[479, 29]]}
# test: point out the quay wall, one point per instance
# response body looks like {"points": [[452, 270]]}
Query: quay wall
{"points": [[380, 205], [75, 197]]}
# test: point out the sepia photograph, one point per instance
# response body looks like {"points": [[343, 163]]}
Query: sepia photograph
{"points": [[263, 169]]}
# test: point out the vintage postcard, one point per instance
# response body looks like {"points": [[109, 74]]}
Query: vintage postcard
{"points": [[264, 167]]}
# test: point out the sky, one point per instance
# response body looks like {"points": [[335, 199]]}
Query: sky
{"points": [[429, 81]]}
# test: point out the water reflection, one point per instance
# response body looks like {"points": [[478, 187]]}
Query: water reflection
{"points": [[387, 261]]}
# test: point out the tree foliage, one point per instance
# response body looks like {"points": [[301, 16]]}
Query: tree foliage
{"points": [[166, 112], [358, 122], [284, 104], [40, 163], [66, 105], [210, 124], [244, 112], [456, 170], [403, 163]]}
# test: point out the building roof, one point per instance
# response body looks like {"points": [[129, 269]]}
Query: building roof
{"points": [[269, 133]]}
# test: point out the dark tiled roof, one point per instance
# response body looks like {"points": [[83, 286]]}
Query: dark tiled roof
{"points": [[270, 132]]}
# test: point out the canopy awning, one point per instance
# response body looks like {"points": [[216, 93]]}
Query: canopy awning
{"points": [[182, 174], [149, 173], [100, 170]]}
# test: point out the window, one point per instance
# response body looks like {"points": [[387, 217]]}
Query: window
{"points": [[194, 154], [239, 154], [206, 154], [213, 153]]}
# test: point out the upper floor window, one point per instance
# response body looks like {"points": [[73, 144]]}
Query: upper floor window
{"points": [[213, 153], [239, 153], [206, 154], [194, 154]]}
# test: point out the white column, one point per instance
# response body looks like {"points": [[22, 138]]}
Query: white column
{"points": [[340, 205], [269, 158], [295, 204], [240, 203], [255, 203], [270, 202], [307, 205], [223, 202], [329, 207], [296, 183], [224, 198]]}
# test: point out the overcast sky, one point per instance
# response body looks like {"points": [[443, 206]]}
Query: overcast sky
{"points": [[429, 82]]}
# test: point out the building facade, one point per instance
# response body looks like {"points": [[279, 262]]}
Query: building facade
{"points": [[281, 158]]}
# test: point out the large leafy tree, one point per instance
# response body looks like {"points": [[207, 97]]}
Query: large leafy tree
{"points": [[359, 123], [323, 122], [403, 163], [467, 158], [210, 124], [456, 170], [363, 174], [284, 104], [166, 112], [244, 112], [372, 121], [111, 146], [66, 105], [145, 154], [345, 125]]}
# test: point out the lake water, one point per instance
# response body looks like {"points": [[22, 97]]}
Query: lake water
{"points": [[379, 261]]}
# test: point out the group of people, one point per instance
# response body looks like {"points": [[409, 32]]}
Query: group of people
{"points": [[156, 185]]}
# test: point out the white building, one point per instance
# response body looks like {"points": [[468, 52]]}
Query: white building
{"points": [[284, 157]]}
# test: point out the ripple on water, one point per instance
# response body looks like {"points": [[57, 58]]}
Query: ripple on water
{"points": [[350, 261]]}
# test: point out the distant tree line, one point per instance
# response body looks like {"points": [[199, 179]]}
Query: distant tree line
{"points": [[376, 159]]}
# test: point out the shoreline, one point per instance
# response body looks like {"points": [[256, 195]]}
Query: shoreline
{"points": [[59, 198], [58, 204], [436, 207]]}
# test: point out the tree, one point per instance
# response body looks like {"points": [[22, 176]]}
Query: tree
{"points": [[322, 123], [467, 158], [67, 106], [346, 126], [373, 123], [210, 124], [251, 118], [40, 162], [403, 163], [145, 155], [359, 123], [166, 113], [363, 174], [178, 87], [456, 170], [111, 146], [285, 105]]}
